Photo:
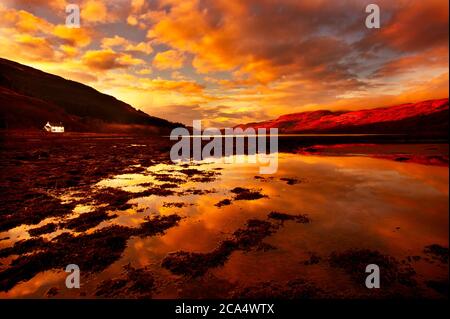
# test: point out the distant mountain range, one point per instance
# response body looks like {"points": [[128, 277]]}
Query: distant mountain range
{"points": [[29, 98], [429, 118]]}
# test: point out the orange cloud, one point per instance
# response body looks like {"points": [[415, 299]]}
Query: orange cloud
{"points": [[96, 11], [78, 76], [114, 41], [138, 13], [78, 37], [262, 41], [170, 59], [413, 26], [143, 47], [433, 58], [26, 47], [108, 59], [23, 21], [145, 71], [185, 87], [117, 41], [35, 47]]}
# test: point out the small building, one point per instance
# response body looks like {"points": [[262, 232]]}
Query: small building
{"points": [[54, 128]]}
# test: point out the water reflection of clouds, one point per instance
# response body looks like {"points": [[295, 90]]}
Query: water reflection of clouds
{"points": [[353, 202]]}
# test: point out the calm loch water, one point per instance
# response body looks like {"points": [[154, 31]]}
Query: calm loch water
{"points": [[351, 202]]}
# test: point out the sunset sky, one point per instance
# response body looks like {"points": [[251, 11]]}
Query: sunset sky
{"points": [[228, 61]]}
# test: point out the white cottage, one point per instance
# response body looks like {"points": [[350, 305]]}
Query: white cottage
{"points": [[54, 128]]}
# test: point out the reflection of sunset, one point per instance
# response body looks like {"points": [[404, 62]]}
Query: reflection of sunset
{"points": [[351, 202]]}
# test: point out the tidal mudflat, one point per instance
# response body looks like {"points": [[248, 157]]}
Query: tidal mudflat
{"points": [[140, 226]]}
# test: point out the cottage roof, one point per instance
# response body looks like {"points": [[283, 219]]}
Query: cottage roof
{"points": [[54, 124]]}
